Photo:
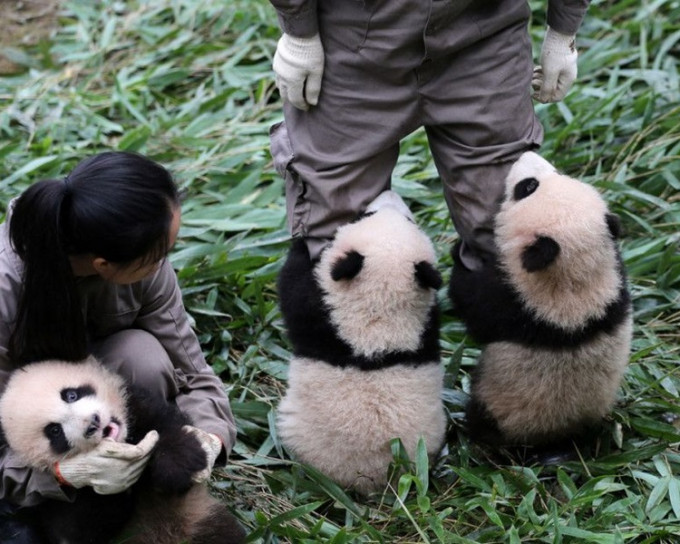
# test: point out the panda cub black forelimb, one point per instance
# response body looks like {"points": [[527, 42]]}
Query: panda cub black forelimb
{"points": [[178, 454]]}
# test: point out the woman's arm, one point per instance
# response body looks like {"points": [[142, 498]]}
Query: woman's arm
{"points": [[202, 394]]}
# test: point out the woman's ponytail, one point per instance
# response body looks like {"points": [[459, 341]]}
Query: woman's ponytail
{"points": [[49, 321]]}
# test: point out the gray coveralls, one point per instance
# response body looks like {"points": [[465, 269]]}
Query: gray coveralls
{"points": [[461, 69], [140, 330]]}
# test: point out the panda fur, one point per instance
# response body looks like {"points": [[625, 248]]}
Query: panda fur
{"points": [[552, 310], [363, 321], [52, 410]]}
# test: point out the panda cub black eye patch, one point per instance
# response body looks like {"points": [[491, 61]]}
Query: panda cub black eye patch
{"points": [[72, 394], [54, 432], [524, 188]]}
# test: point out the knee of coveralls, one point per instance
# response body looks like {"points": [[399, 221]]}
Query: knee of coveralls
{"points": [[339, 155], [140, 358], [319, 200]]}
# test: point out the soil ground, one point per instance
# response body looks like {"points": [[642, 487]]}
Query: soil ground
{"points": [[24, 23]]}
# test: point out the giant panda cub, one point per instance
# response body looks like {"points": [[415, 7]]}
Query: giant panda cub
{"points": [[363, 322], [553, 312], [52, 410]]}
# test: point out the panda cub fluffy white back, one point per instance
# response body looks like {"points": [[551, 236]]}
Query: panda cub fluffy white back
{"points": [[363, 322], [553, 311]]}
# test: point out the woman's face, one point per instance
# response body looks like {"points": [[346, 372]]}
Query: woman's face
{"points": [[139, 269]]}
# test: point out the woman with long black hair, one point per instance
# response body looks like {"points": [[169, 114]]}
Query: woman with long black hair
{"points": [[83, 270]]}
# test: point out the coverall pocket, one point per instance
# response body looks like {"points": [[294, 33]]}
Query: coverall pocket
{"points": [[350, 21], [297, 206]]}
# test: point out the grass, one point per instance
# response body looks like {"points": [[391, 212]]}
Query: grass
{"points": [[190, 84]]}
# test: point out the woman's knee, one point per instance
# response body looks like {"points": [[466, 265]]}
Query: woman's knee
{"points": [[140, 358]]}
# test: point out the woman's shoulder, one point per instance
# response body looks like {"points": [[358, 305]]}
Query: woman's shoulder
{"points": [[162, 280], [11, 277], [11, 266]]}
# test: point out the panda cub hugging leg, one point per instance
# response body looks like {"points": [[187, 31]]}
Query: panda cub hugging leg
{"points": [[552, 311], [363, 322], [52, 410]]}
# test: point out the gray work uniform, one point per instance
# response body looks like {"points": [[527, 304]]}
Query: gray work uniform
{"points": [[460, 69], [142, 331]]}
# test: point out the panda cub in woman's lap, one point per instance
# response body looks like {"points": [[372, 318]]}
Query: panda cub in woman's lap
{"points": [[52, 410]]}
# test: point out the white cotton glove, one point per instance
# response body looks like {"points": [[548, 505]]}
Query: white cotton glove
{"points": [[212, 446], [298, 64], [557, 72], [112, 467]]}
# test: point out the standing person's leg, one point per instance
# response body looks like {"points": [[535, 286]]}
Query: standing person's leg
{"points": [[338, 156], [318, 202], [139, 357], [480, 119]]}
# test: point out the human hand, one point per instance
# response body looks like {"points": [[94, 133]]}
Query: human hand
{"points": [[298, 65], [556, 74], [111, 467], [212, 446]]}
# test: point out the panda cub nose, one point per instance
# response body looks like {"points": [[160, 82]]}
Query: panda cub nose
{"points": [[93, 427]]}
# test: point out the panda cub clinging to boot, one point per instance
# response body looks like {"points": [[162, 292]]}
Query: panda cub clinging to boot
{"points": [[53, 410], [363, 322], [553, 311]]}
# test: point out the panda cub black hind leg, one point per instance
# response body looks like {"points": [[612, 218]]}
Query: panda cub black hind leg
{"points": [[171, 507]]}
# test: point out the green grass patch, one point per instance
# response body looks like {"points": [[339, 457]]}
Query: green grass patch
{"points": [[189, 83]]}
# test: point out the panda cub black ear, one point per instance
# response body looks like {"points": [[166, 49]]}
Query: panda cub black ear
{"points": [[540, 254], [427, 275], [347, 267], [524, 188], [614, 225]]}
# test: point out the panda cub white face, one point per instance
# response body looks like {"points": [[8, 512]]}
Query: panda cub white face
{"points": [[54, 409], [556, 241]]}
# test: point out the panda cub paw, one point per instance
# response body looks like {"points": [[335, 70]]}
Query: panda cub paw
{"points": [[177, 457]]}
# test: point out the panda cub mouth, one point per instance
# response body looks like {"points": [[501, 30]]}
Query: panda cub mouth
{"points": [[112, 430]]}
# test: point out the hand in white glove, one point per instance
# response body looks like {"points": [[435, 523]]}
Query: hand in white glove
{"points": [[298, 64], [212, 446], [112, 467], [557, 72]]}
